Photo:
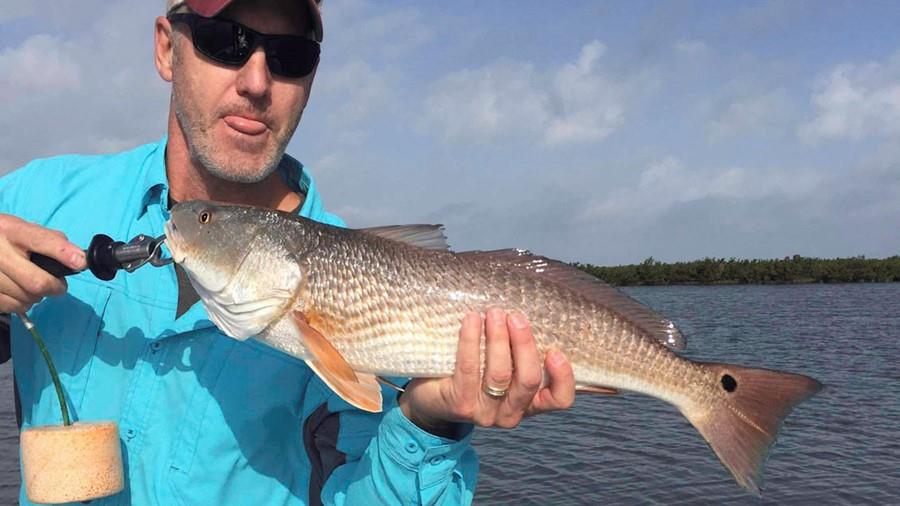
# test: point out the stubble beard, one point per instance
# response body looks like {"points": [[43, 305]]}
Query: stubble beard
{"points": [[197, 130]]}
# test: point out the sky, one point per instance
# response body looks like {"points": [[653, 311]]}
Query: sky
{"points": [[597, 132]]}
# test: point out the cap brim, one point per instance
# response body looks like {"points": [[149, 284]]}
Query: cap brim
{"points": [[210, 8]]}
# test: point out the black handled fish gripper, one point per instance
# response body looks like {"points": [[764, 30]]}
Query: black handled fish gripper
{"points": [[106, 256]]}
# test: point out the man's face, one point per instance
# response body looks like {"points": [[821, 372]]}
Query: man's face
{"points": [[237, 121]]}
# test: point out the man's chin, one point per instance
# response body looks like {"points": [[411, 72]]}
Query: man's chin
{"points": [[242, 169]]}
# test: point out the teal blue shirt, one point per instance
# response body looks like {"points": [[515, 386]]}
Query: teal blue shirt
{"points": [[203, 419]]}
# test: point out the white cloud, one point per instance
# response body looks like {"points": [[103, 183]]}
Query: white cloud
{"points": [[363, 77], [483, 104], [856, 100], [591, 105], [365, 29], [87, 85], [66, 15], [765, 112], [354, 91], [42, 64], [575, 103], [667, 182]]}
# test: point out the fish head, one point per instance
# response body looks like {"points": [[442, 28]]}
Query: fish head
{"points": [[211, 240], [239, 260]]}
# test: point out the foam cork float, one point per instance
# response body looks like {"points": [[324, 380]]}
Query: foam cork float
{"points": [[66, 463]]}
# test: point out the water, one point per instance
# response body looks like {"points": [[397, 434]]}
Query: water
{"points": [[840, 447], [9, 439]]}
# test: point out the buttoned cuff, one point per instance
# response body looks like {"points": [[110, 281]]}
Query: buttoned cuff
{"points": [[434, 458]]}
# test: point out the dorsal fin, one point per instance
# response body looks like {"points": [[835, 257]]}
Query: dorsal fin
{"points": [[423, 236], [646, 319]]}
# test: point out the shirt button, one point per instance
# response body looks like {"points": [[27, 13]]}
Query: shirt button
{"points": [[437, 459], [411, 447]]}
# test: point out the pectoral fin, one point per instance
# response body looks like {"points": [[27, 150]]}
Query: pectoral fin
{"points": [[359, 389], [596, 390]]}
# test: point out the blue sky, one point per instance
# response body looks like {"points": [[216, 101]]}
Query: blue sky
{"points": [[590, 131]]}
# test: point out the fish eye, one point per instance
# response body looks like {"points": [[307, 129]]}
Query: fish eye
{"points": [[205, 217]]}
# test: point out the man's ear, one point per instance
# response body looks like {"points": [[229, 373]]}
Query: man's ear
{"points": [[164, 47]]}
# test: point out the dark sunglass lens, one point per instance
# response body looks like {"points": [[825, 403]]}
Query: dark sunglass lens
{"points": [[291, 56], [223, 41]]}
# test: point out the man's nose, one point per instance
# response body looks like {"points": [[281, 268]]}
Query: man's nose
{"points": [[254, 79]]}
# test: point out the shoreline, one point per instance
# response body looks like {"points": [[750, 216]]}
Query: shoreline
{"points": [[770, 283], [720, 271]]}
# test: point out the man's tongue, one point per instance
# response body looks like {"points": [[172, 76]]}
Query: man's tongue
{"points": [[245, 125]]}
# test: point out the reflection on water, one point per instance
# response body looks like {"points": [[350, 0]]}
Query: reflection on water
{"points": [[840, 447]]}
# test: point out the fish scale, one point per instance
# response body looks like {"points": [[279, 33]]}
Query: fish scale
{"points": [[375, 301]]}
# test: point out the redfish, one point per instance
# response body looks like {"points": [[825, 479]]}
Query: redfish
{"points": [[360, 304]]}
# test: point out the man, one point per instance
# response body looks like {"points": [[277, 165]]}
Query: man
{"points": [[205, 419]]}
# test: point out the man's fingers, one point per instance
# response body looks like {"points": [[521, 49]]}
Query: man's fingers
{"points": [[23, 280], [560, 392], [510, 352], [10, 305], [55, 245], [28, 278], [33, 238], [468, 357], [497, 359], [527, 364], [9, 288]]}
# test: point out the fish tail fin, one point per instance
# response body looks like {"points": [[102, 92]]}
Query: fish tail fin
{"points": [[743, 426]]}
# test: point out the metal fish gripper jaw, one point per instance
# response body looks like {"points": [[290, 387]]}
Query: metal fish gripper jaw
{"points": [[140, 251]]}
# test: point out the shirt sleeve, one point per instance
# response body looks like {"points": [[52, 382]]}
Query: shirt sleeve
{"points": [[10, 188], [5, 351], [387, 459], [5, 208]]}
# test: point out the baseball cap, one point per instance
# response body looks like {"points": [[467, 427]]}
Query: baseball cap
{"points": [[210, 8]]}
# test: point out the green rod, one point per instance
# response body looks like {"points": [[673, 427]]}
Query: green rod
{"points": [[53, 374]]}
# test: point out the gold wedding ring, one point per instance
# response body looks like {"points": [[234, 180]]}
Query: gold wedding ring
{"points": [[496, 393]]}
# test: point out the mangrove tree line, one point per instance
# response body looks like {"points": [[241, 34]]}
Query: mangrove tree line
{"points": [[795, 269]]}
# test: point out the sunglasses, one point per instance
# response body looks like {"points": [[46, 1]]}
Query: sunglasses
{"points": [[231, 43]]}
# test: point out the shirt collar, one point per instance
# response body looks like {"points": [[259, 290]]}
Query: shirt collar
{"points": [[299, 180], [154, 187]]}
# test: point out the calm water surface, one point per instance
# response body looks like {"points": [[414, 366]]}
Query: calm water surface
{"points": [[840, 447], [9, 440]]}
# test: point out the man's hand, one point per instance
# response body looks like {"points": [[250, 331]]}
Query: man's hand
{"points": [[512, 364], [22, 283]]}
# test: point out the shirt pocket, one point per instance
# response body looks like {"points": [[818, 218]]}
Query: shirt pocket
{"points": [[241, 439]]}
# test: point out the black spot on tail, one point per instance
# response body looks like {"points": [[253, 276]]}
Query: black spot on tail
{"points": [[729, 383]]}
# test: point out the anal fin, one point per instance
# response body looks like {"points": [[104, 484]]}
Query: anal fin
{"points": [[361, 390]]}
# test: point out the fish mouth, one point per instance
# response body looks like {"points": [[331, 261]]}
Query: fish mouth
{"points": [[174, 241]]}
